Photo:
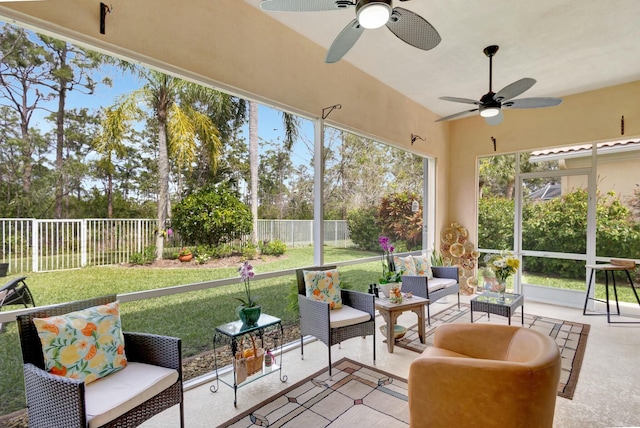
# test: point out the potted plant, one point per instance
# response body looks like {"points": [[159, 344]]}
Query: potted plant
{"points": [[185, 255], [248, 311], [503, 266], [390, 278]]}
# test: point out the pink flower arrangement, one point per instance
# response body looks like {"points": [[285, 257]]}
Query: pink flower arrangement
{"points": [[246, 273]]}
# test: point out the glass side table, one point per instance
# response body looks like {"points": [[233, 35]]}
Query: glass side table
{"points": [[235, 331], [491, 303]]}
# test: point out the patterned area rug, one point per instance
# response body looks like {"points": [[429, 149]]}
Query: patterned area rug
{"points": [[571, 337], [357, 395]]}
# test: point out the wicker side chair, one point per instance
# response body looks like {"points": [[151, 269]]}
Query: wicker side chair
{"points": [[60, 401], [315, 316], [445, 282]]}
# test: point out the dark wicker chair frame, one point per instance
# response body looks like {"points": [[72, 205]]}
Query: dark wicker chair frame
{"points": [[59, 401], [314, 316], [419, 286]]}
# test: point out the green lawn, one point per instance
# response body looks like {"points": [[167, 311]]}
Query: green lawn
{"points": [[191, 316], [625, 294]]}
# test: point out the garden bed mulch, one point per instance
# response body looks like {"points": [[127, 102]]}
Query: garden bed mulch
{"points": [[224, 262]]}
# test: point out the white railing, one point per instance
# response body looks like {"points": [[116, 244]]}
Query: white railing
{"points": [[31, 245]]}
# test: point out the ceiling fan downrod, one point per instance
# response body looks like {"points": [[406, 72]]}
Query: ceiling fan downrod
{"points": [[490, 51]]}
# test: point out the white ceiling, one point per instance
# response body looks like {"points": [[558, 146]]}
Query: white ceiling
{"points": [[568, 46]]}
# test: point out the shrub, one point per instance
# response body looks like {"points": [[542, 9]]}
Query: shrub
{"points": [[363, 228], [221, 251], [495, 223], [273, 248], [399, 222], [212, 215], [249, 252], [560, 225], [202, 258], [147, 256]]}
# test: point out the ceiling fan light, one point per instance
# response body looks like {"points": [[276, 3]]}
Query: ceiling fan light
{"points": [[490, 112], [373, 14]]}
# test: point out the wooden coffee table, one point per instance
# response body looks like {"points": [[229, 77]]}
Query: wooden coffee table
{"points": [[391, 311]]}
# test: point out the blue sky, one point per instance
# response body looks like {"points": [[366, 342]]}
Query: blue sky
{"points": [[270, 128]]}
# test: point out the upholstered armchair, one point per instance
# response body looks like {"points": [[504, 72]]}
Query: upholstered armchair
{"points": [[444, 282], [356, 318], [150, 382], [485, 375]]}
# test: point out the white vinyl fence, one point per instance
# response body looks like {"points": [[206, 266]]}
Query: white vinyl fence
{"points": [[31, 245]]}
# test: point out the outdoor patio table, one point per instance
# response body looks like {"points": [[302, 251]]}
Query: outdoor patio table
{"points": [[492, 304], [391, 311], [235, 330], [609, 269]]}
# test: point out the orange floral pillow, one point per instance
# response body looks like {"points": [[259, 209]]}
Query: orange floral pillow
{"points": [[405, 265], [423, 266], [85, 345], [324, 285]]}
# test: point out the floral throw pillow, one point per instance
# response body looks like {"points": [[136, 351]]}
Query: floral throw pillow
{"points": [[405, 264], [423, 267], [85, 345], [324, 285]]}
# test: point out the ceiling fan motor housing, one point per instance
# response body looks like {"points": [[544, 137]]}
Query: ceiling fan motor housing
{"points": [[489, 107], [373, 13]]}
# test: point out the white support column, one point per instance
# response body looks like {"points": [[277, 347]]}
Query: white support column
{"points": [[318, 191], [425, 206], [592, 226]]}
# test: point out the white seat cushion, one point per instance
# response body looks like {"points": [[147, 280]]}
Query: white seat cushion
{"points": [[347, 315], [116, 394], [436, 284]]}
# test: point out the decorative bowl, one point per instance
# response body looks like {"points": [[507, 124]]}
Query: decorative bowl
{"points": [[398, 331]]}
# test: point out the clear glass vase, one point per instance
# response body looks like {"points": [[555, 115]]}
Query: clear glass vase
{"points": [[502, 287]]}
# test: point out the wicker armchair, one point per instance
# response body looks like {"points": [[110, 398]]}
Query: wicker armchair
{"points": [[315, 316], [444, 283], [60, 401]]}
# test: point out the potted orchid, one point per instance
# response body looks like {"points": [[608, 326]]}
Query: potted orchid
{"points": [[390, 278], [248, 311]]}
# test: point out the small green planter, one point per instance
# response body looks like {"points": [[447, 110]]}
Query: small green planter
{"points": [[249, 315]]}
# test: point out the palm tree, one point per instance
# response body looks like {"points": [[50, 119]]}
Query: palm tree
{"points": [[109, 142], [291, 126], [179, 128]]}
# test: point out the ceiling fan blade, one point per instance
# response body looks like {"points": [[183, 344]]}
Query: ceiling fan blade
{"points": [[453, 116], [345, 41], [532, 102], [303, 6], [413, 29], [514, 89], [495, 120], [461, 100]]}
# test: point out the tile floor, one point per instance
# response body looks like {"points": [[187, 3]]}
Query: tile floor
{"points": [[607, 394]]}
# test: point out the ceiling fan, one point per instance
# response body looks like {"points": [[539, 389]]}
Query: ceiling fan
{"points": [[491, 104], [406, 25]]}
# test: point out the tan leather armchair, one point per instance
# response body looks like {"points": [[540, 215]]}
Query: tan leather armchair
{"points": [[483, 375]]}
